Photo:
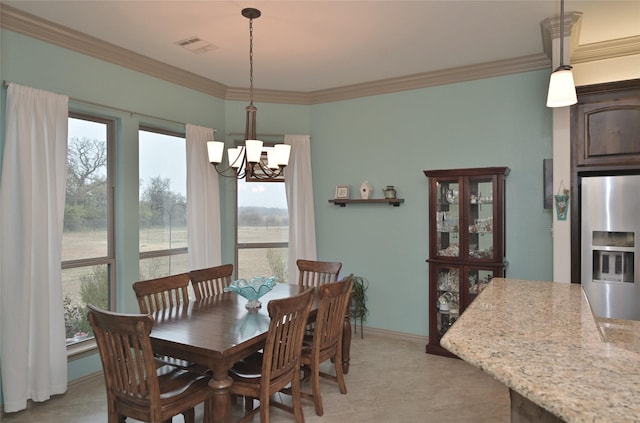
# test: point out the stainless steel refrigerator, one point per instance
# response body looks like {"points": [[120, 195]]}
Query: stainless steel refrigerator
{"points": [[610, 245]]}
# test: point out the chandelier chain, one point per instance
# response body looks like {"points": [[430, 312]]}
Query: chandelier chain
{"points": [[251, 61]]}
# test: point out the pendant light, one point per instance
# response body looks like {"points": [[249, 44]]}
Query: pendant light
{"points": [[562, 89], [246, 160]]}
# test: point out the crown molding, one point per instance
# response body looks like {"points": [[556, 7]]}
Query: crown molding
{"points": [[610, 49], [431, 79], [15, 20]]}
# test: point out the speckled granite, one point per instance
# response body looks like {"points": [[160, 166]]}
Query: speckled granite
{"points": [[541, 340]]}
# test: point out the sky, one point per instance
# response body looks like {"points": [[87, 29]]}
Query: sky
{"points": [[165, 156]]}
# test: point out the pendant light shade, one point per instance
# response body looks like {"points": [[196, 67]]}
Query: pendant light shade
{"points": [[562, 89]]}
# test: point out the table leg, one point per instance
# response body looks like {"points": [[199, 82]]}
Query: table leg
{"points": [[346, 343], [220, 383]]}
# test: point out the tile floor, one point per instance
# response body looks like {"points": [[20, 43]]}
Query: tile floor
{"points": [[390, 380]]}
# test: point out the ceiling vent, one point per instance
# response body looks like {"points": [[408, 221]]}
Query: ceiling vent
{"points": [[196, 45]]}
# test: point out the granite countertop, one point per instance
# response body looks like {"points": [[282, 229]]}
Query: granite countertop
{"points": [[542, 340]]}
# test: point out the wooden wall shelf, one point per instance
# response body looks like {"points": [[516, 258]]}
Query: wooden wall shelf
{"points": [[395, 202]]}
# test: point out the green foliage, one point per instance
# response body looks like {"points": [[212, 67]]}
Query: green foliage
{"points": [[159, 206], [277, 264], [94, 289], [359, 298]]}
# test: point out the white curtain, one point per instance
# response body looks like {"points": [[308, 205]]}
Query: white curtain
{"points": [[33, 354], [299, 189], [203, 201]]}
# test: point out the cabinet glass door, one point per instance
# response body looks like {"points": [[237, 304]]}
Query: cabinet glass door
{"points": [[478, 281], [480, 218], [448, 218], [448, 297]]}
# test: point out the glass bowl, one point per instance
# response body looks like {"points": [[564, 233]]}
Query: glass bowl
{"points": [[252, 290]]}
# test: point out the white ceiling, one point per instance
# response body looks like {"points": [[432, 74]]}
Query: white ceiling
{"points": [[314, 45]]}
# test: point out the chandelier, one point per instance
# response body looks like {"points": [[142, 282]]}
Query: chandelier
{"points": [[562, 89], [246, 161]]}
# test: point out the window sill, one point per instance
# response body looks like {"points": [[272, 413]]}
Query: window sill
{"points": [[82, 349]]}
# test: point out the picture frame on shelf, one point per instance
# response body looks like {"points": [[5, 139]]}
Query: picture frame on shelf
{"points": [[342, 192]]}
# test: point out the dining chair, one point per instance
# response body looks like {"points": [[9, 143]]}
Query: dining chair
{"points": [[326, 341], [211, 281], [279, 361], [315, 273], [158, 294], [135, 387]]}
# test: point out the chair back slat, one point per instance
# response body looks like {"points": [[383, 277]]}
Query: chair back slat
{"points": [[283, 345], [160, 293], [316, 273], [211, 281]]}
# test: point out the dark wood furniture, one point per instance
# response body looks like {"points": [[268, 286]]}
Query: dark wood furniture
{"points": [[216, 332], [211, 280], [279, 361], [326, 341], [135, 387], [315, 273], [605, 140], [466, 242], [160, 293]]}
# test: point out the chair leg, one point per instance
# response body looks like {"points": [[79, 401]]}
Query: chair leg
{"points": [[264, 406], [296, 398], [340, 372], [315, 389]]}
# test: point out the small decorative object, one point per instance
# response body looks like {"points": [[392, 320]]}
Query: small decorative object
{"points": [[342, 192], [562, 202], [252, 290], [389, 192], [365, 190]]}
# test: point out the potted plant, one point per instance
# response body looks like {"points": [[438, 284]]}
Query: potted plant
{"points": [[358, 307]]}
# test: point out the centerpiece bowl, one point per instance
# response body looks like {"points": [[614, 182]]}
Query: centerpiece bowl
{"points": [[252, 290]]}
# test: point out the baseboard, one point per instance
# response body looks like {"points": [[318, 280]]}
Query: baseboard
{"points": [[402, 336], [78, 383]]}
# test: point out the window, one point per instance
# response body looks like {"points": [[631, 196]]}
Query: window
{"points": [[87, 238], [262, 230], [163, 203]]}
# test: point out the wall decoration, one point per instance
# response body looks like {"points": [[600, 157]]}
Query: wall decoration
{"points": [[342, 192]]}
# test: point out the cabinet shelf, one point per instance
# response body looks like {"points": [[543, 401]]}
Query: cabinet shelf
{"points": [[395, 202]]}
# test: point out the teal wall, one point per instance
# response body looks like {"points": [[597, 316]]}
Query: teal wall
{"points": [[388, 139]]}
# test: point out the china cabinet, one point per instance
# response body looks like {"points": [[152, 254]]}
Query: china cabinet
{"points": [[466, 241]]}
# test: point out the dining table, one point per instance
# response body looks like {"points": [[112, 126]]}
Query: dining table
{"points": [[216, 332]]}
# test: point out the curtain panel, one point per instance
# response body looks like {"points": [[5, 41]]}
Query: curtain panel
{"points": [[33, 353], [203, 201], [299, 188]]}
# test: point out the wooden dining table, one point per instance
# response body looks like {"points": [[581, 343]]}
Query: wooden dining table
{"points": [[216, 332]]}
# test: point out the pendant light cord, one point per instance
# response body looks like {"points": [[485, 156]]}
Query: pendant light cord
{"points": [[561, 33]]}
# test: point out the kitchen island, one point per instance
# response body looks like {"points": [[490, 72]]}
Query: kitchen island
{"points": [[542, 341]]}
